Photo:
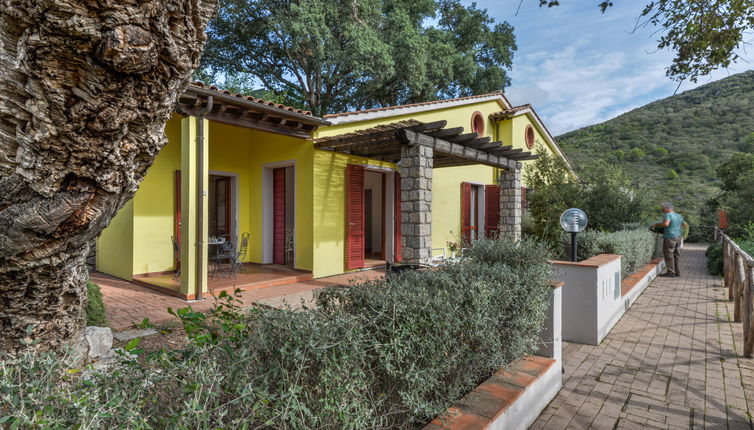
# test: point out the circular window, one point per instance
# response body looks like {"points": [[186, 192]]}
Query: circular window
{"points": [[477, 123], [529, 136]]}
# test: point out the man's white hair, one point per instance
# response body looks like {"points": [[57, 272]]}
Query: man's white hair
{"points": [[667, 205]]}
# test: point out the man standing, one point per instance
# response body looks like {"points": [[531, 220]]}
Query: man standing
{"points": [[672, 239]]}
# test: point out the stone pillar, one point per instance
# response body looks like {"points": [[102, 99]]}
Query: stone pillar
{"points": [[510, 204], [416, 204]]}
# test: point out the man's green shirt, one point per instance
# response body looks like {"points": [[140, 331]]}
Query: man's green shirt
{"points": [[673, 230]]}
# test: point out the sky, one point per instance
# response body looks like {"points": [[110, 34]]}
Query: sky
{"points": [[579, 67]]}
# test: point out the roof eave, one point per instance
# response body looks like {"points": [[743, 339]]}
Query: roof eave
{"points": [[252, 105], [532, 114]]}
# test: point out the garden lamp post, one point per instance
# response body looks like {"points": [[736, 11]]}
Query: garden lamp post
{"points": [[573, 221]]}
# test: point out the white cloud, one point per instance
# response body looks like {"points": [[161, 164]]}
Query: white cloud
{"points": [[580, 67]]}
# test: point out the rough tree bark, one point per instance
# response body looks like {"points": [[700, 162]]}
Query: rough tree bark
{"points": [[86, 88]]}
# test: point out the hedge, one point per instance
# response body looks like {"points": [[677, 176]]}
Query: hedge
{"points": [[637, 247], [95, 306], [388, 354], [715, 255]]}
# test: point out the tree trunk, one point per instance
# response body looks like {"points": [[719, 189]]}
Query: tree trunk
{"points": [[86, 87]]}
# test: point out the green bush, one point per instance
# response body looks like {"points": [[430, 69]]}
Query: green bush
{"points": [[388, 354], [715, 259], [95, 307], [636, 246], [715, 255]]}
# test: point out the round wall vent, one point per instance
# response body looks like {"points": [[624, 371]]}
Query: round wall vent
{"points": [[477, 123], [529, 134]]}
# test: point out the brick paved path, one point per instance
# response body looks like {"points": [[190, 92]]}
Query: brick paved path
{"points": [[127, 303], [672, 362]]}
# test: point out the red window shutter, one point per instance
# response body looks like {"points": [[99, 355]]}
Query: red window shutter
{"points": [[278, 229], [354, 217], [466, 212], [397, 233], [492, 210]]}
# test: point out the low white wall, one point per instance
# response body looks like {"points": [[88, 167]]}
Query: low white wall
{"points": [[591, 298], [526, 409]]}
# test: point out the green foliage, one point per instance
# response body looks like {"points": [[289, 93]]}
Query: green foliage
{"points": [[386, 354], [715, 255], [333, 56], [737, 176], [636, 246], [672, 175], [608, 197], [95, 307], [698, 129], [715, 259]]}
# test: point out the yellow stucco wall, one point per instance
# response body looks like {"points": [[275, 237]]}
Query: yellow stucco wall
{"points": [[138, 240], [115, 244], [154, 207], [247, 153], [330, 209], [329, 189]]}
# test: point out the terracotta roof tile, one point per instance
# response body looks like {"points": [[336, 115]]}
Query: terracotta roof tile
{"points": [[251, 98], [387, 108], [510, 111]]}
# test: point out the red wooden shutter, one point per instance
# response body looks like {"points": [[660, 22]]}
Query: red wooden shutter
{"points": [[397, 233], [491, 210], [278, 205], [466, 212], [355, 217], [523, 198]]}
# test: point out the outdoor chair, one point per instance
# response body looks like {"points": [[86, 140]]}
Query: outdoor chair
{"points": [[240, 256], [288, 247], [177, 256], [222, 262]]}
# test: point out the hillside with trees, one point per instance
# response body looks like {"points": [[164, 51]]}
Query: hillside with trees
{"points": [[674, 146]]}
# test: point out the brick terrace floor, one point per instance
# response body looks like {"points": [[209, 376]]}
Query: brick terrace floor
{"points": [[672, 361], [127, 303]]}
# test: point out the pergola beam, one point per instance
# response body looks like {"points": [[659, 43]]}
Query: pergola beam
{"points": [[440, 146], [447, 133]]}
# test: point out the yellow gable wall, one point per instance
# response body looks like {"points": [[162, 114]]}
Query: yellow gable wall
{"points": [[329, 184], [329, 226]]}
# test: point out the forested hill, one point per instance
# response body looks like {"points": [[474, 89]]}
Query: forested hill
{"points": [[674, 145]]}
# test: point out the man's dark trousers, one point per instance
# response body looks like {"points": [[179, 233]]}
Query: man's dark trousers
{"points": [[672, 254]]}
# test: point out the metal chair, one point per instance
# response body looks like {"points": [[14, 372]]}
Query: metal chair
{"points": [[240, 256], [289, 247], [222, 263], [177, 256]]}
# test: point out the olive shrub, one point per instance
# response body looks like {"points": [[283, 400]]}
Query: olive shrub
{"points": [[386, 354]]}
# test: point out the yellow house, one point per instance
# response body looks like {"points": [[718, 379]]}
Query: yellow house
{"points": [[299, 197]]}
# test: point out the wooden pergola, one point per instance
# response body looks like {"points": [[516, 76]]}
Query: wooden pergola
{"points": [[451, 146], [418, 148]]}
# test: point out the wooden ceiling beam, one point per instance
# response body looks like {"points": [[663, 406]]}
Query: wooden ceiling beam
{"points": [[476, 143], [500, 149], [463, 138], [458, 151], [430, 126], [446, 133]]}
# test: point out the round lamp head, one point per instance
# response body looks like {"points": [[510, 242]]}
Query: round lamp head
{"points": [[573, 220]]}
